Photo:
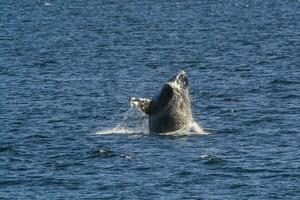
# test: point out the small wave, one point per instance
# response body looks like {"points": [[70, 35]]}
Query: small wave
{"points": [[7, 148], [210, 159], [284, 81], [103, 152]]}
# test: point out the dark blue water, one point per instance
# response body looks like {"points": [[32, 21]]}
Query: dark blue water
{"points": [[67, 69]]}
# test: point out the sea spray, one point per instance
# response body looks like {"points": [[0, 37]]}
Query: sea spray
{"points": [[133, 121]]}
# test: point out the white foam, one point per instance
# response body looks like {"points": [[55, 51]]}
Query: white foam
{"points": [[115, 130], [192, 128]]}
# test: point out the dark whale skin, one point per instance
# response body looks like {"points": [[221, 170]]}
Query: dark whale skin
{"points": [[171, 109]]}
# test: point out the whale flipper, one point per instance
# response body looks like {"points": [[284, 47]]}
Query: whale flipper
{"points": [[142, 103]]}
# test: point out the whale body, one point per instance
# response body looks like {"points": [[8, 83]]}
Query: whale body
{"points": [[171, 109]]}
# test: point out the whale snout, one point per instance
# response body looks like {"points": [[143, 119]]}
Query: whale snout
{"points": [[182, 73], [180, 79]]}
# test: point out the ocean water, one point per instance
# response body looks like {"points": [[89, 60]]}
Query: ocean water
{"points": [[68, 68]]}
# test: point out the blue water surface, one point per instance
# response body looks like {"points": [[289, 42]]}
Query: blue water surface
{"points": [[67, 69]]}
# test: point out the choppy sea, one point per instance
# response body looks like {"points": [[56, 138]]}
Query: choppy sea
{"points": [[67, 69]]}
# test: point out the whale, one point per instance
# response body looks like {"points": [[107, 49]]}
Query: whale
{"points": [[170, 110]]}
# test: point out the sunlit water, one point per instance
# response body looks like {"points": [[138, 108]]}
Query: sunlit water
{"points": [[68, 69]]}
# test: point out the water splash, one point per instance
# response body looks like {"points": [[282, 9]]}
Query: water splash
{"points": [[192, 128], [134, 121]]}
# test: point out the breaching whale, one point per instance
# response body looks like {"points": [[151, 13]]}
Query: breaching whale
{"points": [[171, 109]]}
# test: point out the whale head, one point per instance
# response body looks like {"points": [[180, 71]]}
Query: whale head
{"points": [[171, 109], [174, 95], [176, 86]]}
